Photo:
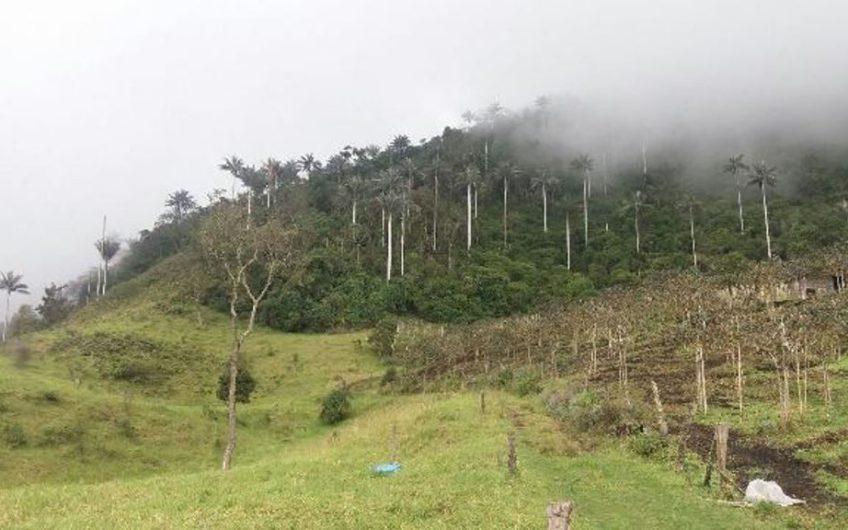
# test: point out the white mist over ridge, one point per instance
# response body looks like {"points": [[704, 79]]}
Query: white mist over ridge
{"points": [[107, 106]]}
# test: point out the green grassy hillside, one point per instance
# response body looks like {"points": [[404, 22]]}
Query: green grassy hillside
{"points": [[111, 421]]}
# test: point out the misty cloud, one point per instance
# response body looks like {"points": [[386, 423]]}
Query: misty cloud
{"points": [[106, 106]]}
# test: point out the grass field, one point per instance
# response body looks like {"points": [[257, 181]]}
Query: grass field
{"points": [[82, 449]]}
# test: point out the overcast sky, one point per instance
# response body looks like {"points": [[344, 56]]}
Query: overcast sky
{"points": [[106, 106]]}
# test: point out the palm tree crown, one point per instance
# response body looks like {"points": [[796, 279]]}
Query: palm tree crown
{"points": [[11, 283]]}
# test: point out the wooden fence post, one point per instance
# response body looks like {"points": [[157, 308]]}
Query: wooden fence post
{"points": [[721, 434], [511, 455]]}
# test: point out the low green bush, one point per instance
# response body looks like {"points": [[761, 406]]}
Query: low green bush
{"points": [[336, 406]]}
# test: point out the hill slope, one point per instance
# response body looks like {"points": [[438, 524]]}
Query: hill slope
{"points": [[86, 446]]}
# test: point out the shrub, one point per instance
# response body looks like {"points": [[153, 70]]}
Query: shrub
{"points": [[50, 396], [527, 383], [505, 377], [13, 435], [336, 406], [382, 339], [391, 376], [245, 385], [647, 443], [586, 411]]}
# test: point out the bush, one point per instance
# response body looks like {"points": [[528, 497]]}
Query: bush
{"points": [[13, 435], [527, 383], [647, 443], [586, 411], [389, 377], [382, 339], [245, 385], [336, 406]]}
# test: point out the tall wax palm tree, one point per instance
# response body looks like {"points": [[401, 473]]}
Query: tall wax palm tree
{"points": [[544, 180], [636, 206], [410, 171], [273, 170], [690, 204], [735, 167], [354, 187], [436, 193], [233, 165], [181, 203], [308, 163], [389, 198], [11, 283], [567, 235], [108, 248], [507, 171], [399, 146], [606, 185], [763, 175], [584, 164], [470, 177], [254, 181]]}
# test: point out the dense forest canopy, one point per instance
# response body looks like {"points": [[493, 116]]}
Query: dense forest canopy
{"points": [[517, 209]]}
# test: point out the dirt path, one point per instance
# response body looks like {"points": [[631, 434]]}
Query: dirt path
{"points": [[749, 459]]}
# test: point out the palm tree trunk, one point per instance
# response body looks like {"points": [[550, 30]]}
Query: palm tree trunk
{"points": [[402, 242], [567, 241], [586, 211], [268, 197], [249, 207], [435, 208], [105, 275], [636, 225], [505, 191], [544, 209], [383, 227], [468, 214], [6, 321], [99, 279], [353, 215], [766, 220], [739, 204], [692, 234], [389, 251], [644, 162], [475, 202]]}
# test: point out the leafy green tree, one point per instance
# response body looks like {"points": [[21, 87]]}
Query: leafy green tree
{"points": [[11, 283], [248, 260], [55, 306]]}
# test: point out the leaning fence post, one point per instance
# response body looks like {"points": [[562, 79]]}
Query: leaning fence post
{"points": [[559, 515]]}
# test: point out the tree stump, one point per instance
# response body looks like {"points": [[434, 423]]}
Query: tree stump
{"points": [[559, 515]]}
